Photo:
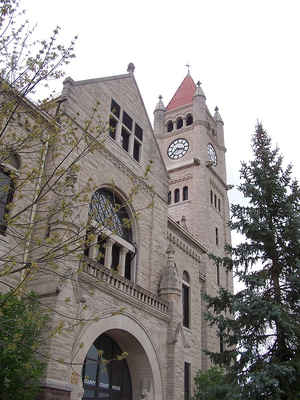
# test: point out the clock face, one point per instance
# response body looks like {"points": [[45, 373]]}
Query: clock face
{"points": [[178, 148], [212, 155]]}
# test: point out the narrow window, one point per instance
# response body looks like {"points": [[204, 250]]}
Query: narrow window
{"points": [[6, 195], [113, 123], [185, 193], [125, 139], [169, 197], [179, 123], [186, 300], [219, 204], [187, 381], [115, 108], [221, 343], [189, 119], [218, 273], [176, 195], [170, 126], [137, 150], [127, 121], [211, 197], [217, 237], [215, 198]]}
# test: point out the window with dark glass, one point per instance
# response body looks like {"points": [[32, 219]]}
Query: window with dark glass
{"points": [[185, 193], [176, 195], [104, 376], [211, 197], [115, 108], [219, 204], [187, 381], [217, 237], [169, 197], [189, 119], [137, 150], [186, 300], [218, 273], [6, 195], [170, 126], [138, 131], [127, 120], [215, 198], [221, 343], [179, 123]]}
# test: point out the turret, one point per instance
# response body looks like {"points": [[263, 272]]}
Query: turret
{"points": [[220, 127], [159, 114], [199, 104]]}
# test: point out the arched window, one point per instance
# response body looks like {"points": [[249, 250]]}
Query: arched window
{"points": [[111, 224], [189, 119], [179, 123], [185, 193], [104, 374], [186, 299], [176, 196], [170, 126], [211, 197], [107, 209]]}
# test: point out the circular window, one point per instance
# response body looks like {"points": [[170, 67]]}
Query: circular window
{"points": [[105, 374]]}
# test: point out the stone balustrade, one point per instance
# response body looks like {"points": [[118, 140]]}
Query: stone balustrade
{"points": [[114, 280]]}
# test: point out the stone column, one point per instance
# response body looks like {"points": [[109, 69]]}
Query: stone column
{"points": [[118, 132], [122, 260], [108, 252], [93, 250], [131, 143]]}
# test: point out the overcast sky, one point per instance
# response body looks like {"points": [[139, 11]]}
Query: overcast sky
{"points": [[245, 53]]}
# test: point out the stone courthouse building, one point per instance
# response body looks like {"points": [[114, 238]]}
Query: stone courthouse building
{"points": [[146, 286]]}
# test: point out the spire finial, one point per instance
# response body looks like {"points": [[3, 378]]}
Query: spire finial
{"points": [[188, 67], [160, 97], [216, 109], [199, 83]]}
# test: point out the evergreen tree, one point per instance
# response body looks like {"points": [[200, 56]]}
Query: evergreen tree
{"points": [[260, 325]]}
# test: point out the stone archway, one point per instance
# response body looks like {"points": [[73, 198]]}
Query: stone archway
{"points": [[142, 358]]}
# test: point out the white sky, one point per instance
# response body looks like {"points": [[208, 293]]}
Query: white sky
{"points": [[245, 53]]}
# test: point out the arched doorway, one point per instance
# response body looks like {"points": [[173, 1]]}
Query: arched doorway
{"points": [[105, 373]]}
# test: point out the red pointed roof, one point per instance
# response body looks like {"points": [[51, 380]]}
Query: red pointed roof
{"points": [[184, 94]]}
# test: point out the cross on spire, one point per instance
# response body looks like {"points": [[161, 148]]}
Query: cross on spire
{"points": [[188, 67]]}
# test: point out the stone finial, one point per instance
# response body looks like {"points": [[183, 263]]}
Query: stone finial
{"points": [[199, 91], [130, 68], [160, 105], [217, 116]]}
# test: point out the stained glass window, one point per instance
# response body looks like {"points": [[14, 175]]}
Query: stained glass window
{"points": [[107, 209]]}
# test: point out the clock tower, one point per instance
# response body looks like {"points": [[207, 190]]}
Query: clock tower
{"points": [[191, 141]]}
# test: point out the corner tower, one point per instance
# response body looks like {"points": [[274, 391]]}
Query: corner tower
{"points": [[191, 140]]}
